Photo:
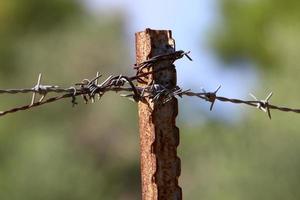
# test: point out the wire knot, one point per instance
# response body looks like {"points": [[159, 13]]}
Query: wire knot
{"points": [[211, 97], [263, 104]]}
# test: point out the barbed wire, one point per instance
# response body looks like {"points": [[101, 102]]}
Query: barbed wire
{"points": [[91, 89]]}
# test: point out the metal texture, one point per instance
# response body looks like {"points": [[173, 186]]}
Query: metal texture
{"points": [[159, 136], [154, 92], [88, 89]]}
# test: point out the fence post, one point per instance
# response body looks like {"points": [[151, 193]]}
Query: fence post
{"points": [[159, 136]]}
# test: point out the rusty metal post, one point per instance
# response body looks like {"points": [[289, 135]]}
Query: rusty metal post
{"points": [[159, 136]]}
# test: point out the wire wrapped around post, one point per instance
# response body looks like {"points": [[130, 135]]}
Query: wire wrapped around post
{"points": [[159, 136]]}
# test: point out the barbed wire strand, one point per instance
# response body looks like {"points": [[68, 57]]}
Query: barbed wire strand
{"points": [[88, 89]]}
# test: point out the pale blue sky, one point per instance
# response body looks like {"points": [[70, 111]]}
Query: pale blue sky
{"points": [[191, 22]]}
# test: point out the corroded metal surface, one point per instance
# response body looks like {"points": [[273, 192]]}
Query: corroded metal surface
{"points": [[159, 136]]}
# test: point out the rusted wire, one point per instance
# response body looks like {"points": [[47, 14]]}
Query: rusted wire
{"points": [[172, 57], [260, 104], [88, 89], [264, 105]]}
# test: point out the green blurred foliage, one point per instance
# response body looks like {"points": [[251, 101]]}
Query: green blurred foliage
{"points": [[92, 151], [256, 29], [60, 152], [19, 19], [255, 158]]}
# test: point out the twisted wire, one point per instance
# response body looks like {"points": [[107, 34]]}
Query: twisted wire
{"points": [[89, 89]]}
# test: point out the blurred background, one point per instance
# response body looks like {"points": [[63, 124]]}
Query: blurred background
{"points": [[92, 151]]}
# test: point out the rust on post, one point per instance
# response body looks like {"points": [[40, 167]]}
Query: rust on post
{"points": [[159, 136]]}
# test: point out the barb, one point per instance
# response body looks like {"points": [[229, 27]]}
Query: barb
{"points": [[263, 105], [89, 89], [170, 57], [211, 97]]}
